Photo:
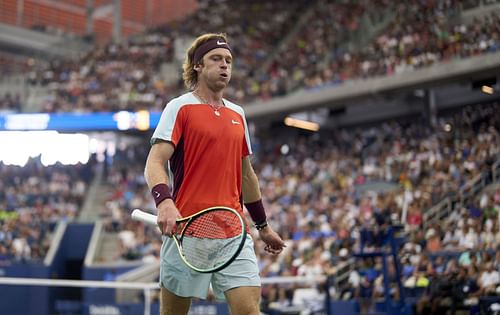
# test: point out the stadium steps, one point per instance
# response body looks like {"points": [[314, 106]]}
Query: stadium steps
{"points": [[479, 13], [287, 38], [36, 95], [365, 34], [144, 273], [443, 211], [13, 84], [96, 198], [108, 248], [368, 30], [43, 45]]}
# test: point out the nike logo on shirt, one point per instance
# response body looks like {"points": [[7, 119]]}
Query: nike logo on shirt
{"points": [[234, 122]]}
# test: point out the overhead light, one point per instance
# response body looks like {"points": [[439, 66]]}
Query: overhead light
{"points": [[488, 82], [302, 124], [487, 89]]}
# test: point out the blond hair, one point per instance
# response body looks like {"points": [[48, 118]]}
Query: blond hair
{"points": [[190, 75]]}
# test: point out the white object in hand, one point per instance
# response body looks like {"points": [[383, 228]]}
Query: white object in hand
{"points": [[145, 217]]}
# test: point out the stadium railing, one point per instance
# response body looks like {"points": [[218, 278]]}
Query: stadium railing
{"points": [[148, 272], [436, 213], [56, 241], [94, 242], [445, 207], [146, 287], [470, 190]]}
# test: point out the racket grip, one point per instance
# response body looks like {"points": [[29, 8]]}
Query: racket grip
{"points": [[145, 217]]}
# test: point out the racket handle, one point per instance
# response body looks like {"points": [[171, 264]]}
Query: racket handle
{"points": [[145, 217]]}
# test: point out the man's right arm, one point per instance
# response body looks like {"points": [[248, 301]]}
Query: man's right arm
{"points": [[158, 157], [155, 174]]}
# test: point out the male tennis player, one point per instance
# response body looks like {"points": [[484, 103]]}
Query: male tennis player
{"points": [[205, 140]]}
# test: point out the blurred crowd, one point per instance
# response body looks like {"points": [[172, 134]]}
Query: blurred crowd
{"points": [[33, 199], [12, 64], [10, 103], [317, 200], [335, 194], [275, 55], [329, 195], [129, 76]]}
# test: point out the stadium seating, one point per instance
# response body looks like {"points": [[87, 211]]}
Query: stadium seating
{"points": [[273, 58], [330, 194], [33, 199], [319, 206]]}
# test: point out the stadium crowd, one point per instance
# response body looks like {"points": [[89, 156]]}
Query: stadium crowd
{"points": [[325, 194], [274, 56], [33, 199], [10, 103], [329, 194], [318, 200]]}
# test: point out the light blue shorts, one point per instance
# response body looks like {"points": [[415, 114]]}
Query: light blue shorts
{"points": [[179, 279]]}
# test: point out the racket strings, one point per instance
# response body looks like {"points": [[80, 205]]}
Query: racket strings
{"points": [[219, 224], [211, 239]]}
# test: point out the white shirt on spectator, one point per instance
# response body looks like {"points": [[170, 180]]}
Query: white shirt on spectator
{"points": [[470, 240], [21, 248], [354, 279], [489, 278], [128, 238]]}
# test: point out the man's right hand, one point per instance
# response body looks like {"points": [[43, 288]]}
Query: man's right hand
{"points": [[167, 216]]}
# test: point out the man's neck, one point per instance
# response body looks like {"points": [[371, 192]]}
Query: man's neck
{"points": [[208, 95]]}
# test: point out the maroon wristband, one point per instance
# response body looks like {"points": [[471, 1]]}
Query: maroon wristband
{"points": [[160, 192], [256, 210]]}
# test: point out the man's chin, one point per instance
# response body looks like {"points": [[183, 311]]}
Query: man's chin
{"points": [[220, 85]]}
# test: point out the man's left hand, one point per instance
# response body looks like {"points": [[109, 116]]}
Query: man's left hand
{"points": [[274, 243]]}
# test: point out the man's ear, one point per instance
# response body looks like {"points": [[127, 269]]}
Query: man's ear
{"points": [[197, 67]]}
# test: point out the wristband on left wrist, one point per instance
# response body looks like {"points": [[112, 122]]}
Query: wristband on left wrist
{"points": [[261, 225], [257, 212]]}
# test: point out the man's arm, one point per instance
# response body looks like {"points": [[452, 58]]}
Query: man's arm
{"points": [[158, 157], [253, 201], [157, 178], [250, 186]]}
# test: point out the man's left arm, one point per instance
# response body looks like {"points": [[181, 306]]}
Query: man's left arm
{"points": [[253, 202]]}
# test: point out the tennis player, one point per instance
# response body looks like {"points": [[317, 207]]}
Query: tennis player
{"points": [[204, 140]]}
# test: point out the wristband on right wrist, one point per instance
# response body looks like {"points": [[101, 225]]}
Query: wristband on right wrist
{"points": [[160, 192]]}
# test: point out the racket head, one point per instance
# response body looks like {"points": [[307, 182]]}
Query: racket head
{"points": [[211, 239]]}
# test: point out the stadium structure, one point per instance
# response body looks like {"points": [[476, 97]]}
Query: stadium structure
{"points": [[376, 135]]}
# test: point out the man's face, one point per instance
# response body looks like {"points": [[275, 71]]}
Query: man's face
{"points": [[216, 68]]}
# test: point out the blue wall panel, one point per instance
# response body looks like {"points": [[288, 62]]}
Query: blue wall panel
{"points": [[24, 300]]}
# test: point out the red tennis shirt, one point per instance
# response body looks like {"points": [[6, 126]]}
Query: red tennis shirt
{"points": [[205, 169]]}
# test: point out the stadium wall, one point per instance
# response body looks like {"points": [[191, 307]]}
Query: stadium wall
{"points": [[68, 261], [24, 299], [101, 296], [67, 264]]}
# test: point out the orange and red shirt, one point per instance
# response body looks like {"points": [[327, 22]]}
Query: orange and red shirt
{"points": [[205, 169]]}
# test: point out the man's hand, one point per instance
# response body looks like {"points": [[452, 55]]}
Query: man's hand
{"points": [[167, 215], [274, 243]]}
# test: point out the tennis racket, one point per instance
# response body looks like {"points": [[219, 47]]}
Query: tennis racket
{"points": [[209, 240]]}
